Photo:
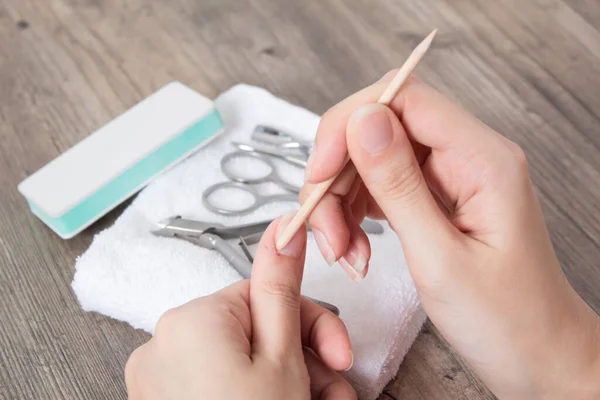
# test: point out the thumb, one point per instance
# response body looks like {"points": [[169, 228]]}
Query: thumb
{"points": [[326, 384], [385, 160], [275, 294]]}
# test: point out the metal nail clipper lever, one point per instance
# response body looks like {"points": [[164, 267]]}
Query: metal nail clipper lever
{"points": [[209, 236], [252, 232]]}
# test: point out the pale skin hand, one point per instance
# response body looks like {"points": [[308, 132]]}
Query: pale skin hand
{"points": [[460, 199], [247, 341]]}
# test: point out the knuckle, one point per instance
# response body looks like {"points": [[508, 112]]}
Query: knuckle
{"points": [[339, 389], [131, 368], [327, 115], [412, 80], [389, 75], [413, 96], [166, 323], [435, 278], [517, 160], [402, 183], [217, 307], [305, 192], [518, 155], [433, 282], [180, 323], [284, 293]]}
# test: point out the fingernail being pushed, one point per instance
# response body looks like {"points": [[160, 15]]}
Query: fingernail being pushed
{"points": [[324, 247], [296, 246], [355, 264]]}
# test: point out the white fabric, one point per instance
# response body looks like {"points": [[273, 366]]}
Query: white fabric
{"points": [[133, 276]]}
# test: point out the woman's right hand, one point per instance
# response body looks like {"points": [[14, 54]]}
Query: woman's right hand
{"points": [[460, 199]]}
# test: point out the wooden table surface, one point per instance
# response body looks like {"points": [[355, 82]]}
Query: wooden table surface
{"points": [[530, 69]]}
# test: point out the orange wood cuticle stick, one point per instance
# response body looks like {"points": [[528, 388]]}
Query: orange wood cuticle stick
{"points": [[386, 98]]}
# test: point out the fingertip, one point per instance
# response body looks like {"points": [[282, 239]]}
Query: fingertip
{"points": [[326, 384], [324, 247], [331, 342], [353, 271], [351, 361], [340, 389], [296, 245], [355, 260], [329, 151]]}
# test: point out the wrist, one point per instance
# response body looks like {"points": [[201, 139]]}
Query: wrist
{"points": [[574, 371], [587, 384]]}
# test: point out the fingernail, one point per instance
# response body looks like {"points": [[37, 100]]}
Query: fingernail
{"points": [[295, 247], [324, 247], [374, 128], [309, 162], [355, 265], [351, 361]]}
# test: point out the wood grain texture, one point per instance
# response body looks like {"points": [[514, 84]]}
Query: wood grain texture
{"points": [[527, 68]]}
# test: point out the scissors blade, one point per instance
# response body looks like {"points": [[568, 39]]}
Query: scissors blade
{"points": [[270, 135], [297, 161], [277, 137]]}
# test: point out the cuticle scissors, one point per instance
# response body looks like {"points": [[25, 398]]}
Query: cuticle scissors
{"points": [[282, 139], [238, 182]]}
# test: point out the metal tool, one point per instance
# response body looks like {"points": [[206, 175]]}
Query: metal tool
{"points": [[281, 139], [242, 183], [289, 158], [271, 176], [212, 236], [251, 232], [368, 226], [258, 200]]}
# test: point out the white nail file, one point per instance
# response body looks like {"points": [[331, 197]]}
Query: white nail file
{"points": [[113, 163]]}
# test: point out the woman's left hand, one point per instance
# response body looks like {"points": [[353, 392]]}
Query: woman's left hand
{"points": [[256, 339]]}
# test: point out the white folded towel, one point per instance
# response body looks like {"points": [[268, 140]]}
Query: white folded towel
{"points": [[131, 275]]}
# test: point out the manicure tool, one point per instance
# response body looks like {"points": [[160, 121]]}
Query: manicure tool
{"points": [[239, 182], [386, 98], [212, 236], [291, 159], [120, 158], [281, 139], [251, 232], [244, 184], [368, 226]]}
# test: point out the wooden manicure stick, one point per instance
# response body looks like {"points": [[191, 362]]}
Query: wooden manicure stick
{"points": [[386, 98]]}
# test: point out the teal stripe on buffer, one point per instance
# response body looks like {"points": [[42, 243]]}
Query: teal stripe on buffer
{"points": [[131, 180]]}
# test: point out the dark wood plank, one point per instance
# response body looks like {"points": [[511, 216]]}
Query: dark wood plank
{"points": [[434, 358], [588, 9], [68, 66], [561, 139]]}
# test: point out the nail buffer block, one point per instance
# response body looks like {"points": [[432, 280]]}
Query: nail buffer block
{"points": [[113, 163]]}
